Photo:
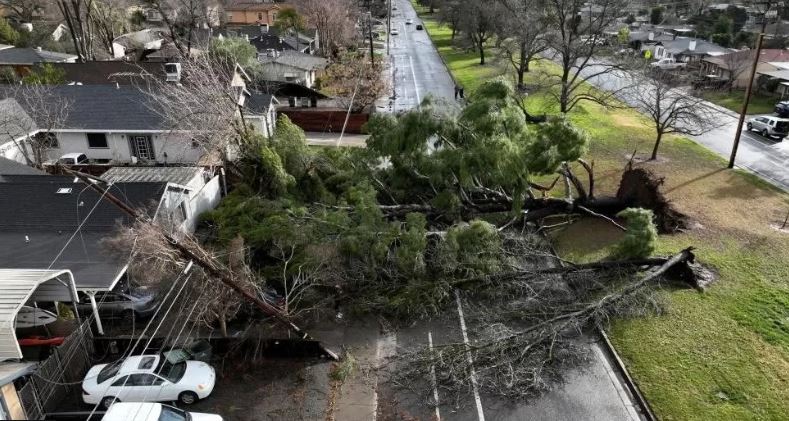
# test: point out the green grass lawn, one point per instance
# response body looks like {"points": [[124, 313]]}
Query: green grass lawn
{"points": [[718, 355], [759, 104]]}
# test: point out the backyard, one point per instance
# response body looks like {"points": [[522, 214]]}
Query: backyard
{"points": [[720, 354]]}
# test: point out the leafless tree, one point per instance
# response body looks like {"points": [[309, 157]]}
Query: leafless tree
{"points": [[108, 18], [78, 15], [479, 20], [32, 112], [736, 64], [355, 82], [671, 110], [24, 10], [335, 21], [205, 103], [182, 17], [523, 34], [578, 30], [449, 14]]}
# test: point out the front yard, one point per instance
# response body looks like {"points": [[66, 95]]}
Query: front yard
{"points": [[722, 354], [759, 104]]}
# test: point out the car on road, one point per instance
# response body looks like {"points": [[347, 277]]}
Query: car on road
{"points": [[132, 305], [668, 64], [769, 126], [148, 378], [150, 411], [782, 109], [395, 32], [409, 21], [419, 27]]}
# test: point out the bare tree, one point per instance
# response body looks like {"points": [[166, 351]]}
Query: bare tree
{"points": [[577, 33], [109, 22], [449, 14], [523, 34], [24, 10], [671, 110], [735, 64], [182, 17], [32, 112], [355, 82], [335, 21], [479, 20], [206, 103], [78, 15]]}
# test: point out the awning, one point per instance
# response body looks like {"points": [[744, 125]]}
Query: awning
{"points": [[17, 287]]}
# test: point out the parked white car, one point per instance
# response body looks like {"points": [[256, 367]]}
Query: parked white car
{"points": [[668, 64], [149, 411], [148, 378], [409, 21]]}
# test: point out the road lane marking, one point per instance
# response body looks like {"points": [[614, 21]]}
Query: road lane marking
{"points": [[433, 375], [473, 374], [385, 348], [413, 76]]}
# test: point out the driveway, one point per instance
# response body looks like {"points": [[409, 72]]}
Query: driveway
{"points": [[765, 157]]}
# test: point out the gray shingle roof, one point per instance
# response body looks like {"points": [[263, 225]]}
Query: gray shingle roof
{"points": [[177, 175], [259, 103], [31, 56], [36, 222], [103, 107], [298, 60], [14, 121], [681, 45], [10, 167]]}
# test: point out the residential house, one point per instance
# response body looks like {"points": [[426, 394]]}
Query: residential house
{"points": [[739, 63], [134, 44], [252, 12], [292, 66], [22, 60], [111, 124], [261, 111], [688, 50], [780, 75]]}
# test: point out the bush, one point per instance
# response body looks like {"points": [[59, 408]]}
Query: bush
{"points": [[641, 236]]}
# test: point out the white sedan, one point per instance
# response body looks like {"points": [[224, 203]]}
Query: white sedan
{"points": [[409, 21], [147, 411], [148, 378]]}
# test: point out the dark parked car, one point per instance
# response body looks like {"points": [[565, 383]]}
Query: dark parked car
{"points": [[782, 109], [126, 305], [419, 27]]}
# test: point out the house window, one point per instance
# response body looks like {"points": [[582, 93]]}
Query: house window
{"points": [[97, 140], [141, 147], [260, 16], [182, 210], [47, 140]]}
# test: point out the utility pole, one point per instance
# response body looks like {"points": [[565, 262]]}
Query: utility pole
{"points": [[372, 50], [738, 133], [212, 267], [388, 26]]}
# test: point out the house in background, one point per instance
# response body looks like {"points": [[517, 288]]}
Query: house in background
{"points": [[688, 50], [22, 60], [135, 44], [252, 12], [109, 124], [111, 72], [292, 66], [740, 62]]}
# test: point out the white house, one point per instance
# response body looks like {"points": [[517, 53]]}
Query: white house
{"points": [[291, 66], [109, 123], [261, 111]]}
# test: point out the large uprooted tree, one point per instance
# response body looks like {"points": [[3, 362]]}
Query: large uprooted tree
{"points": [[442, 203]]}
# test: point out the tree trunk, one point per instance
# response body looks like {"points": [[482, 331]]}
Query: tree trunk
{"points": [[657, 144], [481, 47], [453, 34]]}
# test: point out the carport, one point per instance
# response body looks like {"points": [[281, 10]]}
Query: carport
{"points": [[20, 286]]}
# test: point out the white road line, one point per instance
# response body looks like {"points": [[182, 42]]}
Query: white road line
{"points": [[477, 399], [433, 375], [413, 76]]}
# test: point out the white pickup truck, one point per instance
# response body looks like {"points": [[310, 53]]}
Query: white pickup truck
{"points": [[668, 64]]}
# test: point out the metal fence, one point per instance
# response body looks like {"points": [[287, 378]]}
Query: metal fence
{"points": [[59, 375]]}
